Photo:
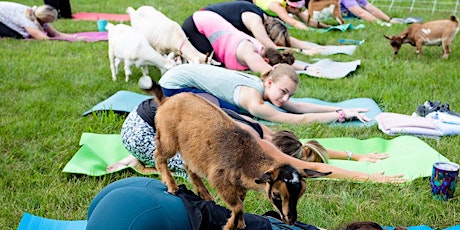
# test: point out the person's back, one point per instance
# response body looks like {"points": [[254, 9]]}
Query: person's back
{"points": [[232, 12], [224, 38]]}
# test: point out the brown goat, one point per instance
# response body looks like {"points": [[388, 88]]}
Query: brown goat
{"points": [[214, 146], [320, 10], [429, 33]]}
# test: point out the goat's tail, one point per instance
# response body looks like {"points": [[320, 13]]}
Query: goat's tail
{"points": [[153, 88], [454, 18]]}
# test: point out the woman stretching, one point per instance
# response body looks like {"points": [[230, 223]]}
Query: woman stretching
{"points": [[138, 135], [21, 21], [245, 93], [233, 48], [252, 20]]}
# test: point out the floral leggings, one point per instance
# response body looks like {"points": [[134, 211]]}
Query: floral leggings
{"points": [[138, 137]]}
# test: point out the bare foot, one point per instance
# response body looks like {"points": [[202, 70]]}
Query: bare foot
{"points": [[127, 161], [131, 161]]}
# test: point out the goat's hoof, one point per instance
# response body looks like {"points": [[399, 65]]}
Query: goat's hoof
{"points": [[173, 190]]}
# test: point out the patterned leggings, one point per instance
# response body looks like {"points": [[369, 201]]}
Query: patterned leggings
{"points": [[138, 137]]}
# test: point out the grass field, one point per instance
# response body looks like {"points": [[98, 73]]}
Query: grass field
{"points": [[47, 85]]}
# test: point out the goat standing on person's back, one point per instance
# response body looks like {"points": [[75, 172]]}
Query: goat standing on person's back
{"points": [[214, 146]]}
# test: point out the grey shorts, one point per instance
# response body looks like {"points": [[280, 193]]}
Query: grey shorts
{"points": [[138, 137]]}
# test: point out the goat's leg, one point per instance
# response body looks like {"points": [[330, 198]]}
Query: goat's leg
{"points": [[127, 69], [445, 48], [145, 70], [232, 198], [113, 66], [419, 44], [199, 186], [338, 15], [161, 161]]}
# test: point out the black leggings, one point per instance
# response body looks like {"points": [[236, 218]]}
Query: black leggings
{"points": [[198, 40], [6, 31]]}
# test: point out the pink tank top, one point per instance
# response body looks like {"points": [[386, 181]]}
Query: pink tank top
{"points": [[224, 38]]}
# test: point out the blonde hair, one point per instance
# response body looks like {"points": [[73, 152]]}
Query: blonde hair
{"points": [[311, 151], [277, 31], [279, 70], [42, 13]]}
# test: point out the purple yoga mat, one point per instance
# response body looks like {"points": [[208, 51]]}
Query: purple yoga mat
{"points": [[84, 36]]}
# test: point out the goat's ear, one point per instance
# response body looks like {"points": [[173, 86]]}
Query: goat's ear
{"points": [[404, 35], [266, 178], [307, 173], [387, 37]]}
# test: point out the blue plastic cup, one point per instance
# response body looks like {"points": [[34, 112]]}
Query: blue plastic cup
{"points": [[101, 24]]}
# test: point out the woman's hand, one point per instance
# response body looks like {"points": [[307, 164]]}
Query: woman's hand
{"points": [[379, 177], [371, 157], [313, 50], [300, 25], [357, 113]]}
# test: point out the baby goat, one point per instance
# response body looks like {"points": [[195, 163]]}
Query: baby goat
{"points": [[125, 44], [212, 145], [166, 35], [429, 33]]}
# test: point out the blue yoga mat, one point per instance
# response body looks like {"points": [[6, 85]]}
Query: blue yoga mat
{"points": [[126, 101], [369, 103], [121, 101], [31, 222]]}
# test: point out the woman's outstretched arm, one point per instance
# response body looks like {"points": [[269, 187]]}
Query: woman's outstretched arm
{"points": [[337, 172]]}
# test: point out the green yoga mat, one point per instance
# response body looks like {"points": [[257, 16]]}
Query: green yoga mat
{"points": [[408, 155], [97, 151]]}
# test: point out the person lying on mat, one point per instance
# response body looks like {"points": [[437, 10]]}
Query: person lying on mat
{"points": [[283, 8], [21, 21], [144, 203], [138, 137], [245, 93], [252, 20], [313, 151], [364, 10], [233, 48]]}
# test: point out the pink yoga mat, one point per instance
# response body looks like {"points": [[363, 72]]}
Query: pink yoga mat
{"points": [[84, 36], [92, 16]]}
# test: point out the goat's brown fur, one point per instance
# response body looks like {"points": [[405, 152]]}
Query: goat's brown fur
{"points": [[439, 32], [212, 145], [319, 5]]}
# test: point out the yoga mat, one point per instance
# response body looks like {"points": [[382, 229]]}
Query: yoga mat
{"points": [[374, 110], [93, 16], [121, 101], [96, 153], [32, 222], [331, 69], [409, 155], [126, 101], [327, 49], [342, 28], [84, 36]]}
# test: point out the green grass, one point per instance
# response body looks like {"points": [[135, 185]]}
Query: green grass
{"points": [[47, 85]]}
